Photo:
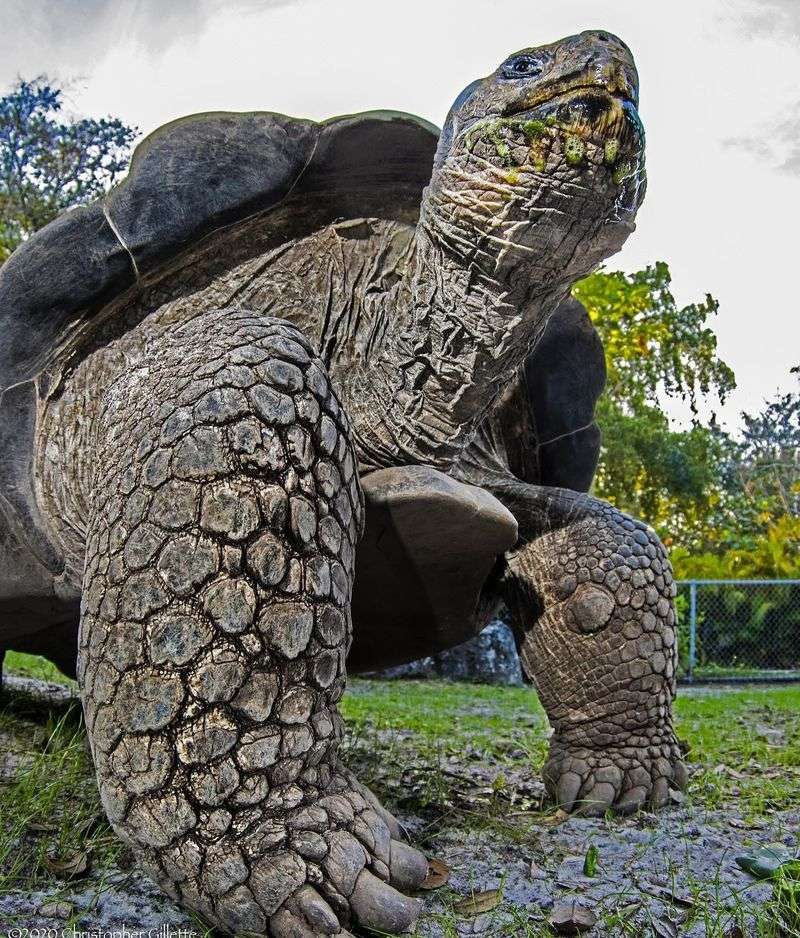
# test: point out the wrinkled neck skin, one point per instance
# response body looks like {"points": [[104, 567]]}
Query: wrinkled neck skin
{"points": [[494, 257], [459, 334]]}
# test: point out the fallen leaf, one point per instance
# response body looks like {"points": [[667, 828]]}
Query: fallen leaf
{"points": [[765, 863], [664, 928], [571, 885], [553, 820], [661, 892], [479, 902], [569, 918], [70, 866], [628, 910], [536, 872], [89, 824], [438, 874], [59, 910]]}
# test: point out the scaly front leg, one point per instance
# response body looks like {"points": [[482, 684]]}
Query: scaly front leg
{"points": [[590, 592], [215, 624]]}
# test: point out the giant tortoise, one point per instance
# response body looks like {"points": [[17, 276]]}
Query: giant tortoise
{"points": [[276, 335]]}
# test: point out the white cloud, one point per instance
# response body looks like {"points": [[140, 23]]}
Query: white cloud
{"points": [[779, 19], [78, 33], [777, 142]]}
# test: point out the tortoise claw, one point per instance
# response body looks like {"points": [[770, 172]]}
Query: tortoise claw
{"points": [[377, 905], [409, 868]]}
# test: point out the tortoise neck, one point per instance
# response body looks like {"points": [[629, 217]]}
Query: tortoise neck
{"points": [[459, 332]]}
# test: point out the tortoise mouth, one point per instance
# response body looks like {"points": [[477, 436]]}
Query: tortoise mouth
{"points": [[592, 112], [585, 125], [589, 113]]}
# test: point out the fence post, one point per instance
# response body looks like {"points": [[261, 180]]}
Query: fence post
{"points": [[692, 628]]}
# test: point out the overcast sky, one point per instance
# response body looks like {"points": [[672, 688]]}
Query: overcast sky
{"points": [[720, 101]]}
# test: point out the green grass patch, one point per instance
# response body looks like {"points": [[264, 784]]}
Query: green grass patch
{"points": [[34, 666], [416, 743], [52, 825], [745, 745], [441, 710]]}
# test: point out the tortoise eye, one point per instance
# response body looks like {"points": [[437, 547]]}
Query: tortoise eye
{"points": [[522, 66]]}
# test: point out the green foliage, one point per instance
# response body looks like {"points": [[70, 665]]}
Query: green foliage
{"points": [[652, 345], [729, 506], [770, 466], [669, 477], [656, 349], [774, 554], [747, 627], [743, 626], [49, 163]]}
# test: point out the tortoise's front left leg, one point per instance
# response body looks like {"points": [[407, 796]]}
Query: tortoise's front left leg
{"points": [[215, 625], [591, 593]]}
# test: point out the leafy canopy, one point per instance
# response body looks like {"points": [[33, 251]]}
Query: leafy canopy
{"points": [[770, 470], [653, 346], [656, 350], [728, 506], [49, 162]]}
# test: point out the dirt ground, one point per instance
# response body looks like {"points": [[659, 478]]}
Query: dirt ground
{"points": [[471, 799]]}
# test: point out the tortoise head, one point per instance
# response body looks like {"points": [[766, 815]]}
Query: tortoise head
{"points": [[541, 163]]}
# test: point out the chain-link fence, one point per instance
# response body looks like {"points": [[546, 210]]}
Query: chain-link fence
{"points": [[739, 629]]}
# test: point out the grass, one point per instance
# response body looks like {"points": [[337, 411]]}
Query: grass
{"points": [[458, 757], [34, 666], [51, 822], [744, 743]]}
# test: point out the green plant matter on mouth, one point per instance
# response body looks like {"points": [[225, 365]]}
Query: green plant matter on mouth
{"points": [[621, 173], [574, 150], [611, 151], [533, 131]]}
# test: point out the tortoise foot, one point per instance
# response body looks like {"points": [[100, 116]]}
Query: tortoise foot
{"points": [[624, 778], [355, 868]]}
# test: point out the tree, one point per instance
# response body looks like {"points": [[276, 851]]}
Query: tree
{"points": [[653, 347], [770, 465], [49, 163], [739, 623], [679, 480]]}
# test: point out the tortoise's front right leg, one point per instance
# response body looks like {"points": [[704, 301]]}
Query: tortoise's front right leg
{"points": [[590, 594], [214, 632]]}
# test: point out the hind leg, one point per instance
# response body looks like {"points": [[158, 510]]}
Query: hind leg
{"points": [[590, 592], [215, 627]]}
